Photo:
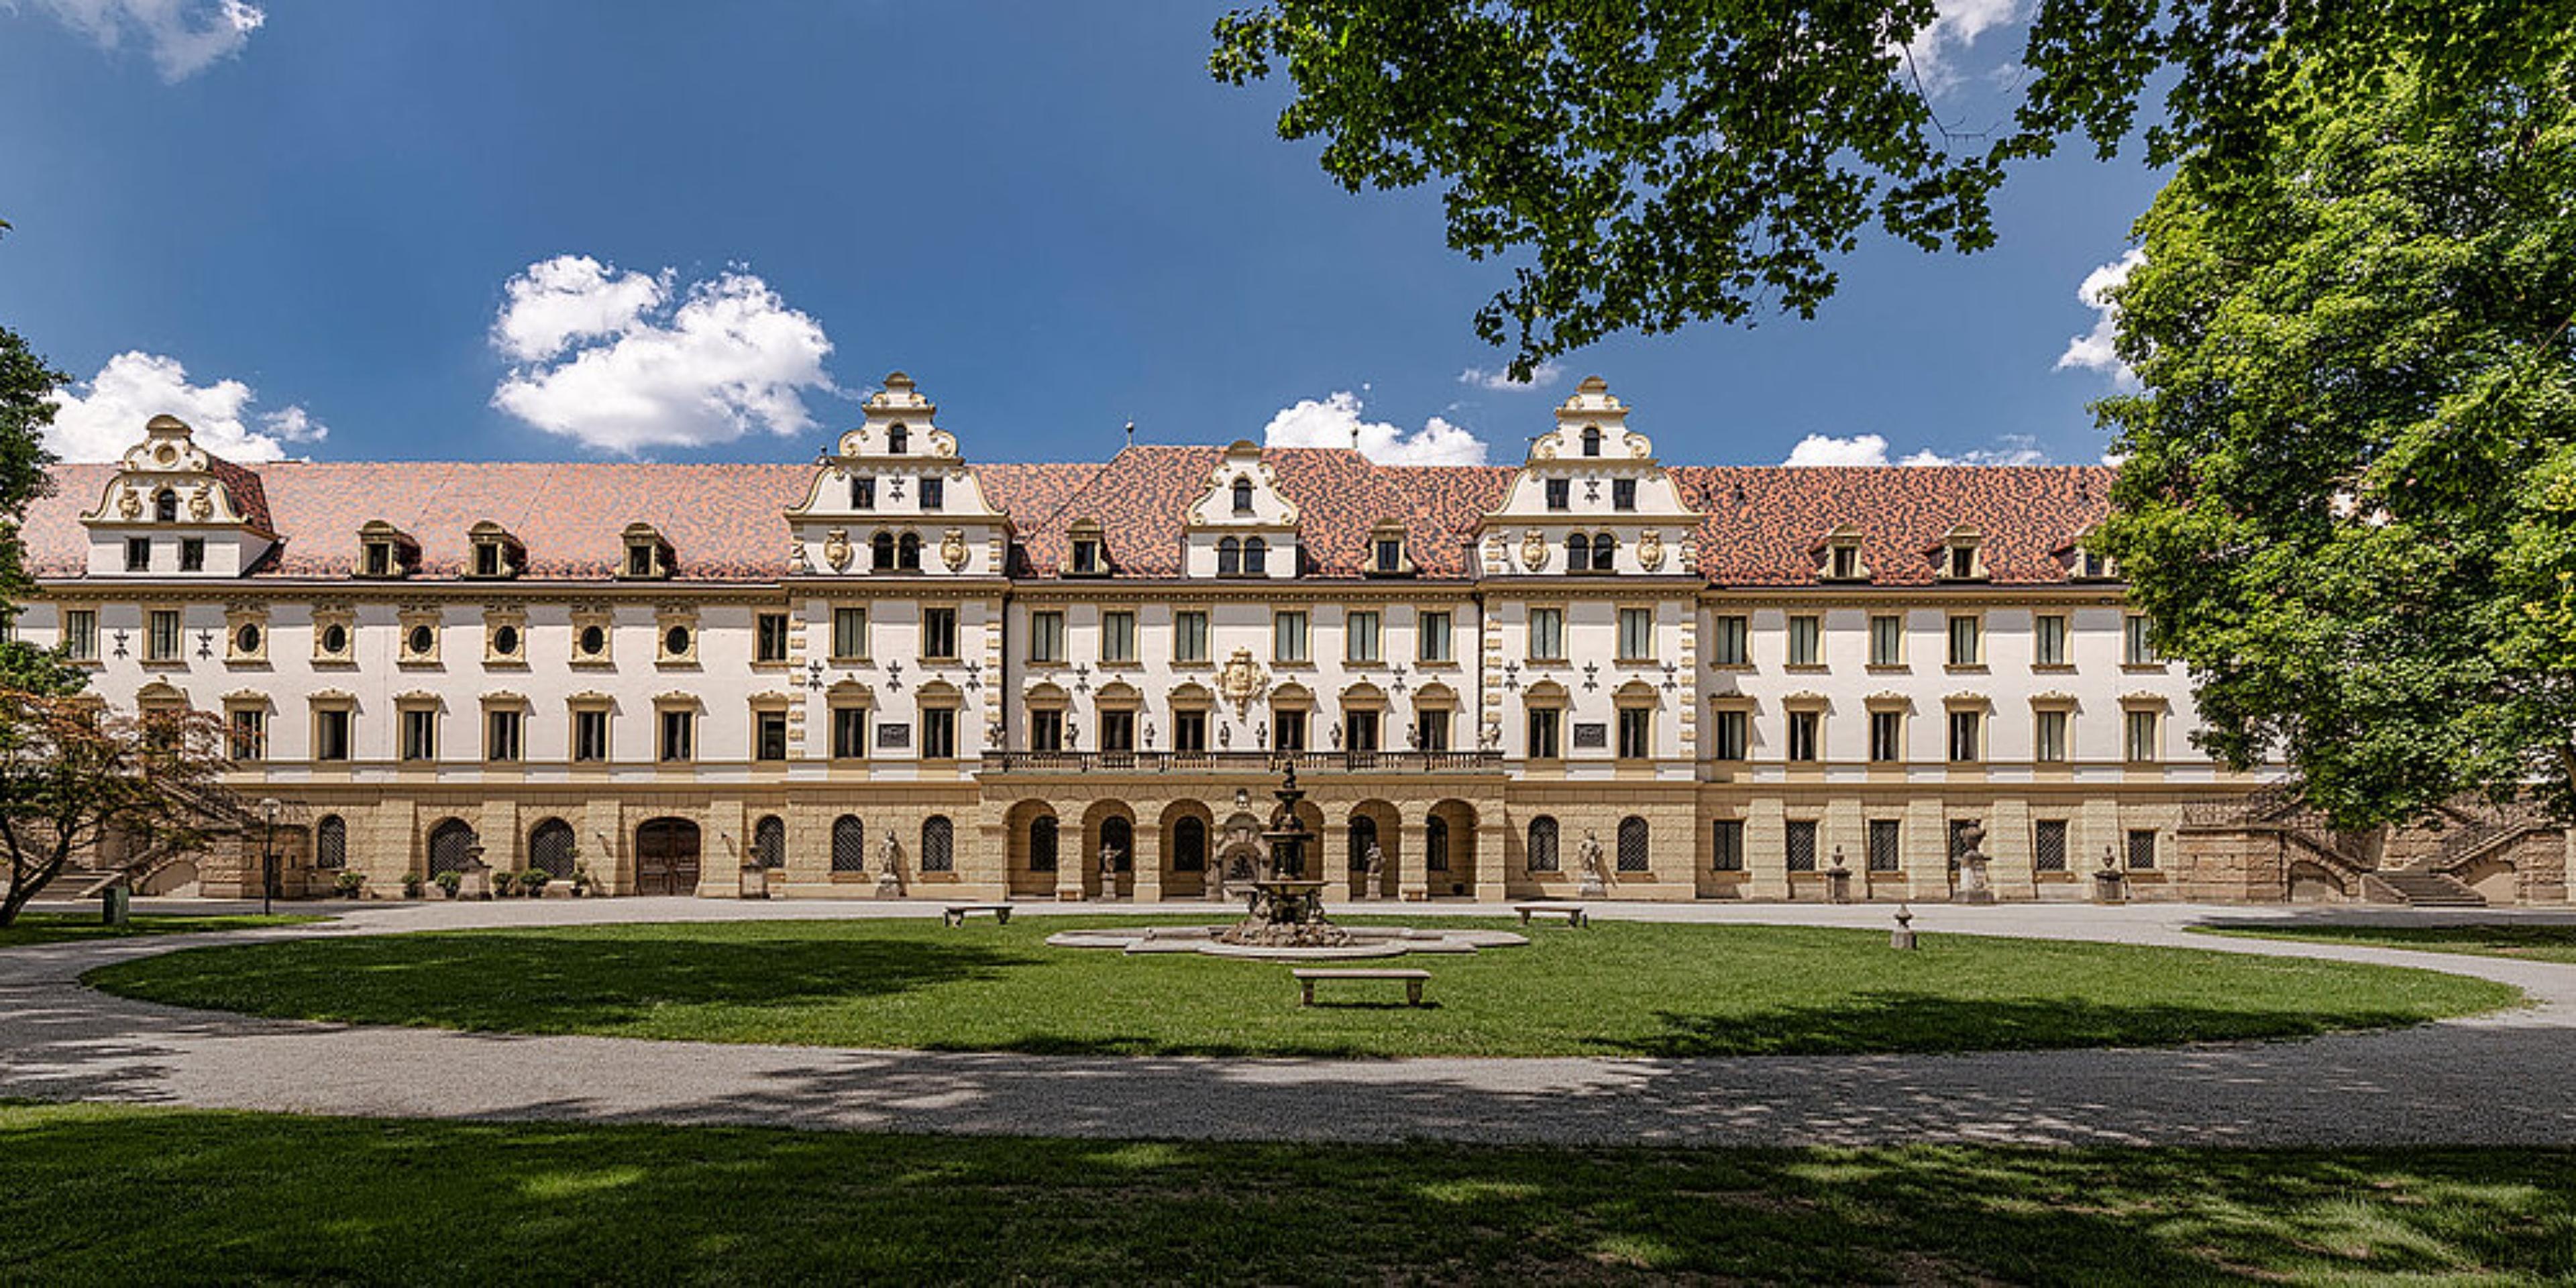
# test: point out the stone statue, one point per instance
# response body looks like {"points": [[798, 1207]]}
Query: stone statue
{"points": [[1590, 854], [1973, 887], [1109, 855], [1375, 866], [888, 852]]}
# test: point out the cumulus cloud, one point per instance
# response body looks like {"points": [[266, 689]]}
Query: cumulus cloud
{"points": [[1957, 26], [2093, 350], [97, 419], [1500, 381], [1335, 422], [616, 360], [184, 37], [1871, 449]]}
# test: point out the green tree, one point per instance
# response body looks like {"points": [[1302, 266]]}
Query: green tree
{"points": [[2350, 493], [27, 384], [1653, 165]]}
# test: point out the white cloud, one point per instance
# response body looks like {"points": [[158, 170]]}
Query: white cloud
{"points": [[96, 420], [1950, 33], [1871, 449], [1541, 376], [2011, 449], [1333, 421], [2093, 350], [606, 358], [184, 37]]}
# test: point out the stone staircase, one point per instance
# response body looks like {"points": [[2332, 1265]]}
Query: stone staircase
{"points": [[2418, 888]]}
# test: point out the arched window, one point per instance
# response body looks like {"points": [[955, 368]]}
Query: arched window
{"points": [[1256, 557], [1189, 845], [769, 842], [165, 506], [1632, 844], [450, 846], [1242, 495], [550, 848], [1042, 844], [1605, 552], [883, 547], [897, 439], [1591, 440], [1229, 557], [1542, 844], [849, 844], [1578, 553], [1435, 844], [331, 843], [1119, 834], [938, 844], [1363, 835], [908, 552]]}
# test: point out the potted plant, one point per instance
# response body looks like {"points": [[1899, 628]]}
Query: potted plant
{"points": [[582, 882], [448, 881], [503, 882], [533, 882], [351, 885], [411, 885]]}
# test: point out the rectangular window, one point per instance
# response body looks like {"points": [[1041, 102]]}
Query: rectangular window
{"points": [[138, 554], [1543, 725], [1288, 637], [863, 492], [1118, 637], [1731, 733], [939, 633], [679, 735], [1431, 729], [1806, 640], [1842, 563], [1636, 733], [420, 733], [1359, 730], [1046, 731], [2141, 744], [163, 646], [501, 736], [1636, 634], [1118, 731], [2142, 850], [1965, 728], [1288, 729], [1967, 645], [1189, 731], [1360, 637], [2048, 736], [2137, 642], [2048, 845], [1390, 554], [934, 492], [1623, 494], [1886, 736], [1046, 637], [1730, 644], [2048, 640], [849, 733], [771, 642], [769, 735], [1432, 637], [1726, 845], [1086, 557], [1560, 494], [249, 733], [80, 634], [1887, 641], [1190, 636], [939, 733], [849, 634], [1802, 845], [1886, 841], [331, 734], [1805, 732], [192, 554], [1547, 635], [590, 736]]}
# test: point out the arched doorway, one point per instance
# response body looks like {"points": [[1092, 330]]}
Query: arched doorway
{"points": [[451, 847], [1034, 847], [1449, 850], [1188, 849], [1374, 824], [1238, 856], [666, 857]]}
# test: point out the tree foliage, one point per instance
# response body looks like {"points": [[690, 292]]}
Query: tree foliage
{"points": [[73, 776], [27, 383], [2350, 495], [1658, 164]]}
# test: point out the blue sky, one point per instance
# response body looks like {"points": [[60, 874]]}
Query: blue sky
{"points": [[573, 230]]}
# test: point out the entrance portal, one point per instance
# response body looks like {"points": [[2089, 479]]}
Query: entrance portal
{"points": [[666, 857]]}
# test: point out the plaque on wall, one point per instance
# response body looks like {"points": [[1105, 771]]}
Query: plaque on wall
{"points": [[894, 737], [1591, 735]]}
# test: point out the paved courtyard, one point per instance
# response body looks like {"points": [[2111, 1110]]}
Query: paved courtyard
{"points": [[2508, 1078]]}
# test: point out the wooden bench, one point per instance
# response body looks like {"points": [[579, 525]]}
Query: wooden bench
{"points": [[1413, 981], [1573, 913], [956, 914]]}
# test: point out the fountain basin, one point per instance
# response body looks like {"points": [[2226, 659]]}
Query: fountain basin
{"points": [[1363, 942]]}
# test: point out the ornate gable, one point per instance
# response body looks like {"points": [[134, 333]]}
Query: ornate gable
{"points": [[896, 497], [1242, 524], [173, 508], [1591, 499]]}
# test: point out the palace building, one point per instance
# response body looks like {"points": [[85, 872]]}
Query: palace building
{"points": [[899, 669]]}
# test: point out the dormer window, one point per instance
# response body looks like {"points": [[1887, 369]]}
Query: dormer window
{"points": [[386, 551], [1242, 495], [934, 493], [1090, 552], [1596, 553], [897, 439], [487, 560], [863, 492], [1959, 558], [165, 506], [1592, 440], [1256, 557], [1623, 494], [497, 554], [1386, 551], [1560, 494], [1390, 554], [2091, 566], [1841, 561], [1229, 558], [648, 556]]}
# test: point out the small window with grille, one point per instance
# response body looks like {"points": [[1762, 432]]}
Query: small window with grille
{"points": [[1885, 845], [938, 844], [2048, 845], [1802, 845], [849, 844], [1632, 844]]}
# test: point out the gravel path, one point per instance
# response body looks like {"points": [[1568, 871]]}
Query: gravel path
{"points": [[2504, 1079]]}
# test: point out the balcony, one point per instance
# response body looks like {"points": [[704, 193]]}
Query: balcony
{"points": [[1241, 762]]}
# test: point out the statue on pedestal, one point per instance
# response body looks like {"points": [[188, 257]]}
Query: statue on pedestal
{"points": [[1109, 855], [1973, 886], [1590, 854], [1375, 868]]}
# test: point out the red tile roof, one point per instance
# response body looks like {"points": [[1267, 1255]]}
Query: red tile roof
{"points": [[1762, 525]]}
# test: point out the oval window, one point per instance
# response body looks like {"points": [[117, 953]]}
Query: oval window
{"points": [[422, 640], [505, 640], [593, 640], [335, 639], [675, 641], [246, 640]]}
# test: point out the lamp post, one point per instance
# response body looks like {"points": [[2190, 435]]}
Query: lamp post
{"points": [[267, 852]]}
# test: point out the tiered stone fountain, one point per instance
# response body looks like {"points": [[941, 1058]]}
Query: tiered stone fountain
{"points": [[1287, 908]]}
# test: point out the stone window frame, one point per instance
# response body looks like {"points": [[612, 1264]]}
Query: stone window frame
{"points": [[665, 706], [2058, 704], [1086, 537], [1352, 636], [419, 703], [1838, 557], [603, 617], [938, 696], [1960, 540], [2137, 644], [660, 561], [237, 616], [247, 702], [1743, 708], [1619, 631], [2065, 642], [867, 632], [499, 702], [591, 702], [2153, 708], [87, 657], [494, 544], [1381, 533], [850, 695], [1134, 656], [1305, 659], [1952, 707], [1207, 638], [1895, 659], [1950, 641], [1740, 635], [1529, 632], [408, 620], [1901, 708], [785, 617], [956, 632], [1054, 654], [670, 617], [1815, 708], [1815, 660], [385, 553], [177, 656], [496, 619], [1547, 695], [344, 705], [759, 705]]}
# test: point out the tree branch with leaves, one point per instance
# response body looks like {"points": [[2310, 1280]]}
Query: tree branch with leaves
{"points": [[77, 782]]}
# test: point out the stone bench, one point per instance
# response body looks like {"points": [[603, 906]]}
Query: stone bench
{"points": [[1307, 977], [1574, 913], [956, 914]]}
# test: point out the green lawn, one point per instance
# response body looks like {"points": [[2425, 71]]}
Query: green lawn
{"points": [[112, 1195], [1621, 988], [58, 927], [2531, 942]]}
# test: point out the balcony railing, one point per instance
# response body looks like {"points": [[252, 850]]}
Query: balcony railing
{"points": [[1257, 762]]}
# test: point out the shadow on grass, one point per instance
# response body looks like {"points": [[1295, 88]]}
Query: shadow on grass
{"points": [[96, 1194], [1927, 1023]]}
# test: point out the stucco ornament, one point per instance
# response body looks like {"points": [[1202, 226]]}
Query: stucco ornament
{"points": [[952, 550], [836, 549], [1534, 550], [796, 560], [130, 504], [201, 503], [1650, 550], [1241, 680]]}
